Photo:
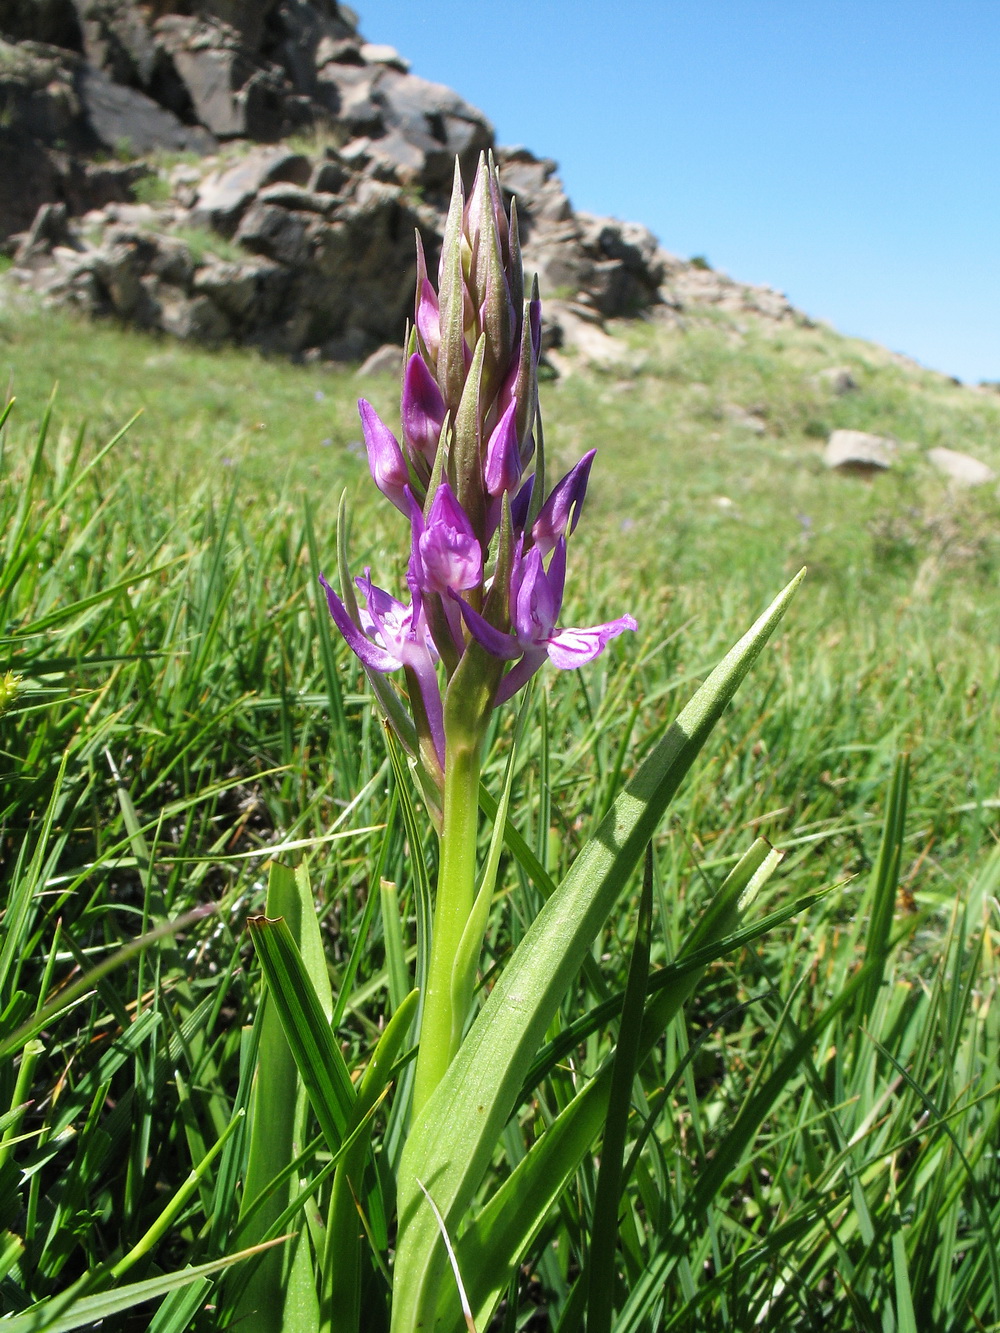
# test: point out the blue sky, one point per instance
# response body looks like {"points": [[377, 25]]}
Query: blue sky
{"points": [[847, 153]]}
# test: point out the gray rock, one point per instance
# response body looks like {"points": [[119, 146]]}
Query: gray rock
{"points": [[386, 360], [858, 451], [127, 121], [962, 469], [117, 40], [196, 318], [378, 53], [274, 232], [837, 379], [285, 195], [329, 177], [232, 287], [224, 195], [745, 419], [50, 228], [436, 120], [348, 94], [230, 90]]}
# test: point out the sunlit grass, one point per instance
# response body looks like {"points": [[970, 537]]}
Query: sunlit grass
{"points": [[184, 707]]}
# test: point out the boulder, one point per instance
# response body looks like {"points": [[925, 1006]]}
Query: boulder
{"points": [[858, 451], [276, 233], [117, 40], [231, 92], [962, 469], [50, 228], [130, 123], [347, 93], [223, 195], [196, 318], [385, 360], [378, 53], [837, 379], [285, 195]]}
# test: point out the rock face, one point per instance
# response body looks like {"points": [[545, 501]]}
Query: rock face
{"points": [[297, 252]]}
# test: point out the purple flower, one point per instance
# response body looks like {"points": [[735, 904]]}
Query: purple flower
{"points": [[445, 555], [385, 458], [422, 411], [503, 457], [427, 316], [391, 636], [561, 511], [535, 602]]}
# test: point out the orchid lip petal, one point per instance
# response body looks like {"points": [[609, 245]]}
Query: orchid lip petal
{"points": [[569, 648]]}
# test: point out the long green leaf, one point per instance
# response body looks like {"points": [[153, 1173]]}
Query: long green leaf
{"points": [[452, 1142]]}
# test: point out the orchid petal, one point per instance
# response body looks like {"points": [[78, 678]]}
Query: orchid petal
{"points": [[496, 643], [446, 553], [385, 458], [503, 457], [561, 511], [371, 656], [422, 410], [570, 648]]}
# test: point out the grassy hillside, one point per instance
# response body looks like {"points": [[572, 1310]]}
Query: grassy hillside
{"points": [[185, 706]]}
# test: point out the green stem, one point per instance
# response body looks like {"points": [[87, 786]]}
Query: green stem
{"points": [[441, 1026]]}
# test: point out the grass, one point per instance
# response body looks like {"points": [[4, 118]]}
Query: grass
{"points": [[184, 709]]}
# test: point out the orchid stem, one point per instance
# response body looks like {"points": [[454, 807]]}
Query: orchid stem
{"points": [[441, 1027]]}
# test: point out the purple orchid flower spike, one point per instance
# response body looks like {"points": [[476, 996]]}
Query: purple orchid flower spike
{"points": [[422, 411], [385, 458], [536, 600], [391, 636], [561, 511]]}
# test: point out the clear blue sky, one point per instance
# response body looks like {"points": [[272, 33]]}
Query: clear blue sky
{"points": [[845, 152]]}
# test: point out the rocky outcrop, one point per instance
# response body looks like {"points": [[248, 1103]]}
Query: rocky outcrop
{"points": [[134, 183]]}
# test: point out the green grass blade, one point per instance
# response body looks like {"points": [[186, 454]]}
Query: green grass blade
{"points": [[177, 1312], [601, 1269], [56, 1316], [342, 1262], [885, 882], [318, 1057], [270, 1299]]}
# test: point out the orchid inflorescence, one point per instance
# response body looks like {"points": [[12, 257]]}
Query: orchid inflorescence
{"points": [[487, 558]]}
